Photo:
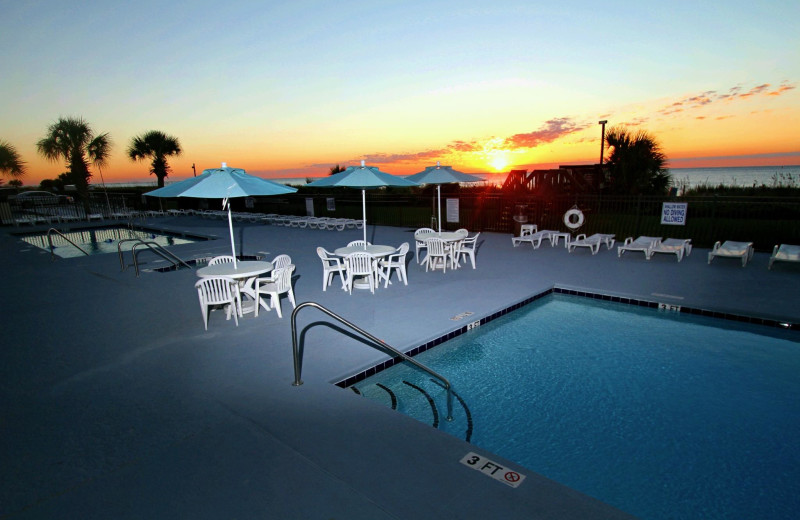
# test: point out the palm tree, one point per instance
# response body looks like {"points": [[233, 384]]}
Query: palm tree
{"points": [[73, 140], [157, 145], [11, 165], [636, 163], [336, 169]]}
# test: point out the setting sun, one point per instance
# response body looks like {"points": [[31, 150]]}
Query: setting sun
{"points": [[499, 160]]}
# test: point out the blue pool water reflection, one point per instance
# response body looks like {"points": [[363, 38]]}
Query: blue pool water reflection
{"points": [[661, 415], [103, 240]]}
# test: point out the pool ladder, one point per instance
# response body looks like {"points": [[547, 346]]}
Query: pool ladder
{"points": [[379, 345], [62, 235], [154, 247]]}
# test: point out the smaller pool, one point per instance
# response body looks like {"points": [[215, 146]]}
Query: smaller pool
{"points": [[96, 241]]}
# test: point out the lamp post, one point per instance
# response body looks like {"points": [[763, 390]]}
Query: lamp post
{"points": [[602, 139]]}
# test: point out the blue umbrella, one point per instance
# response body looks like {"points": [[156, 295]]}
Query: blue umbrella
{"points": [[439, 175], [223, 183], [364, 177]]}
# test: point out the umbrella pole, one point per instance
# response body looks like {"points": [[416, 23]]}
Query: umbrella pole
{"points": [[230, 228], [439, 203], [364, 213]]}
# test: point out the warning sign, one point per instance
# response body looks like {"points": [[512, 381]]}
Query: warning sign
{"points": [[493, 469], [673, 213]]}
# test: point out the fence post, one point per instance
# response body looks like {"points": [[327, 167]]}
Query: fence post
{"points": [[638, 215], [713, 217]]}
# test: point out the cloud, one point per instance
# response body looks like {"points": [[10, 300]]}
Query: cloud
{"points": [[785, 87], [551, 130], [736, 93]]}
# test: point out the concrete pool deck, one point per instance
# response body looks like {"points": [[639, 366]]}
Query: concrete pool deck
{"points": [[117, 404]]}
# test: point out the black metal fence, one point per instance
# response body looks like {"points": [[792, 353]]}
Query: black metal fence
{"points": [[761, 220]]}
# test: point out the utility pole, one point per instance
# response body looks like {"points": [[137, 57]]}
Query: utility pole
{"points": [[194, 172], [602, 139]]}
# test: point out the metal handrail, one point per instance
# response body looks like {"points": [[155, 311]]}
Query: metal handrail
{"points": [[62, 235], [159, 250], [119, 250], [383, 345]]}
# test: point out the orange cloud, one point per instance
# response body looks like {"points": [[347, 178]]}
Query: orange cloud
{"points": [[734, 93], [551, 130]]}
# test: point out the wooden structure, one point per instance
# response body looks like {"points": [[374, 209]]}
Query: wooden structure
{"points": [[587, 178]]}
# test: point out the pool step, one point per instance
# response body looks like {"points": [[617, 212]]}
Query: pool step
{"points": [[423, 400]]}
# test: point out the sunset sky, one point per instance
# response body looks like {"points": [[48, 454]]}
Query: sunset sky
{"points": [[288, 89]]}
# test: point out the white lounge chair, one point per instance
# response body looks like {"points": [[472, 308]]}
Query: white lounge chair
{"points": [[593, 242], [674, 246], [784, 253], [642, 243], [530, 233], [731, 249]]}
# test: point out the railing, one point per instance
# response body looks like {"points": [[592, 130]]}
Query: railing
{"points": [[159, 250], [120, 252], [62, 235], [298, 362]]}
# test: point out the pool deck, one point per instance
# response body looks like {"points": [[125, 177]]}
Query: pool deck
{"points": [[117, 404]]}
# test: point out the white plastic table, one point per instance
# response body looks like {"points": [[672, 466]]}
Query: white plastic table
{"points": [[245, 270], [555, 235], [448, 237], [376, 251]]}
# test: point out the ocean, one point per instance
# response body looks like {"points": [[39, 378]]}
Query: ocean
{"points": [[683, 178]]}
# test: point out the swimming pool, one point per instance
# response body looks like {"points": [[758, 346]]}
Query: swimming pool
{"points": [[103, 240], [663, 415]]}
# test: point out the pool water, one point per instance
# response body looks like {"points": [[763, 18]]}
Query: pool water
{"points": [[663, 415], [103, 240]]}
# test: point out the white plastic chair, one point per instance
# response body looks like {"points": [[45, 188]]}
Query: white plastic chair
{"points": [[396, 261], [437, 254], [468, 247], [360, 264], [280, 283], [281, 261], [223, 259], [420, 236], [358, 243], [331, 264], [219, 290]]}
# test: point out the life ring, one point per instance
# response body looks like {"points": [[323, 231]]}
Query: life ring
{"points": [[569, 222]]}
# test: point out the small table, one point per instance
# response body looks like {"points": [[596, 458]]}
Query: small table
{"points": [[244, 271], [376, 251], [555, 235]]}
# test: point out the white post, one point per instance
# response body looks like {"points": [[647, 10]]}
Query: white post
{"points": [[439, 204], [230, 228], [364, 214]]}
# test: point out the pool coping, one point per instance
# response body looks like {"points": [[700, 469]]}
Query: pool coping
{"points": [[556, 289]]}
